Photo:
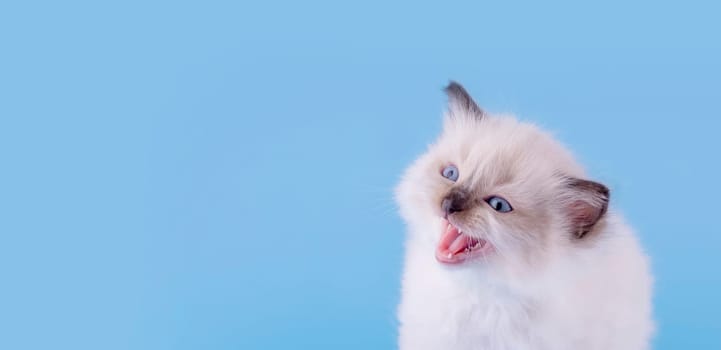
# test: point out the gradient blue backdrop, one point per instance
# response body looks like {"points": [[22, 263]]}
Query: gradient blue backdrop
{"points": [[218, 175]]}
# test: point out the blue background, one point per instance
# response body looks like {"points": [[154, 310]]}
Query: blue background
{"points": [[218, 175]]}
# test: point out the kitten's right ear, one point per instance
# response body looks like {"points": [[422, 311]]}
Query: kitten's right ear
{"points": [[461, 102]]}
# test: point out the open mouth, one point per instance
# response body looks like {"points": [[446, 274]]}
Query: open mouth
{"points": [[455, 247]]}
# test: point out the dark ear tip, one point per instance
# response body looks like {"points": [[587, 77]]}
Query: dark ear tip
{"points": [[458, 96], [589, 185], [454, 89], [605, 191]]}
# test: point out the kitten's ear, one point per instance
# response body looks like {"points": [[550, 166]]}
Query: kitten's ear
{"points": [[585, 202], [461, 102]]}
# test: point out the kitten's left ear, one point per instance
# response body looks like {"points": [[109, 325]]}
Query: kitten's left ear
{"points": [[461, 102], [585, 203]]}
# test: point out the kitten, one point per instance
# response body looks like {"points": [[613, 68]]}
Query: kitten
{"points": [[510, 246]]}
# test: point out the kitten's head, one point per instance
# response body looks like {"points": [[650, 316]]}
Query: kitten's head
{"points": [[493, 190]]}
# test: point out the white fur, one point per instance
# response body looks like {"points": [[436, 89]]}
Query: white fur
{"points": [[593, 294]]}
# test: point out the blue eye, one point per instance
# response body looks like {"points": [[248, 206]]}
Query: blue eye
{"points": [[450, 172], [499, 204]]}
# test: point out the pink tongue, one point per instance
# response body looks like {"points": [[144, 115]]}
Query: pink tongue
{"points": [[449, 237], [460, 244], [452, 243]]}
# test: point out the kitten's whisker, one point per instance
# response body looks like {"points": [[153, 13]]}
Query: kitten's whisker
{"points": [[385, 207]]}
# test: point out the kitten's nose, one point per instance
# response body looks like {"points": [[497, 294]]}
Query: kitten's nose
{"points": [[454, 202]]}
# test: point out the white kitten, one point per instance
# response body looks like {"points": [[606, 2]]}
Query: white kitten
{"points": [[510, 248]]}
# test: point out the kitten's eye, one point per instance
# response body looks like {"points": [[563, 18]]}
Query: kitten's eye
{"points": [[499, 204], [450, 172]]}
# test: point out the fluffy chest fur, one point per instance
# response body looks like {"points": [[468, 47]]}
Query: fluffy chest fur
{"points": [[451, 310], [599, 300]]}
